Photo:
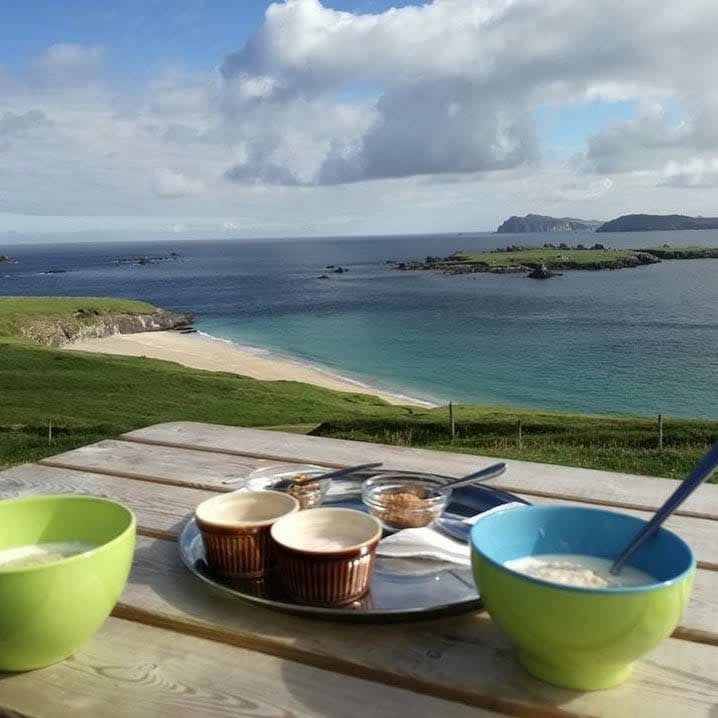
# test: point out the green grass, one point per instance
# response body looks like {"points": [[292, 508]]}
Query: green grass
{"points": [[89, 397], [545, 256]]}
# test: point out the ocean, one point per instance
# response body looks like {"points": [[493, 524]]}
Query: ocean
{"points": [[633, 341]]}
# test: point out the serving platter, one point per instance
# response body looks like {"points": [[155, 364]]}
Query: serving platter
{"points": [[401, 588]]}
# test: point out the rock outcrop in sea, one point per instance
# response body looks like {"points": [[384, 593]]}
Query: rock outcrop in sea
{"points": [[541, 272]]}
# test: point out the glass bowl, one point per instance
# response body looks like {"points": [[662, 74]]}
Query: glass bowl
{"points": [[402, 501], [299, 481]]}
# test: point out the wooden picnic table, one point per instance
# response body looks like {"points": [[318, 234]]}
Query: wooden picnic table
{"points": [[173, 647]]}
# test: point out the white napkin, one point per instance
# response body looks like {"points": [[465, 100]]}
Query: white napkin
{"points": [[430, 543]]}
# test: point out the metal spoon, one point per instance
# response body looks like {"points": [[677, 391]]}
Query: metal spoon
{"points": [[488, 473], [331, 475], [703, 469]]}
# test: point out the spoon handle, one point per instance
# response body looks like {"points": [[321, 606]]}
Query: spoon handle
{"points": [[348, 470], [703, 469], [487, 473]]}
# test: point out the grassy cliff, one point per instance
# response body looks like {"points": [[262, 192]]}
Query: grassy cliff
{"points": [[19, 313]]}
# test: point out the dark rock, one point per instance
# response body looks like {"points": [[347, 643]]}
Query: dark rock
{"points": [[340, 270], [56, 271], [510, 269], [541, 272], [323, 276], [329, 266]]}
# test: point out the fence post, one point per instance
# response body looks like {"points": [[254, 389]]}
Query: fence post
{"points": [[521, 443], [451, 420], [660, 431], [49, 433]]}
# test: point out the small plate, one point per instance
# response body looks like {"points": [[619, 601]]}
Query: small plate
{"points": [[400, 589]]}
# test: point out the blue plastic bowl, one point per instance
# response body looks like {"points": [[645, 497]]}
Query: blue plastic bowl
{"points": [[581, 638]]}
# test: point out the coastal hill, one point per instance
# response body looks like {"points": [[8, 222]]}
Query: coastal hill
{"points": [[657, 222], [625, 223], [542, 223]]}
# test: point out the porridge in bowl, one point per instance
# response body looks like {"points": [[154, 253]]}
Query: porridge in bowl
{"points": [[578, 570], [42, 553]]}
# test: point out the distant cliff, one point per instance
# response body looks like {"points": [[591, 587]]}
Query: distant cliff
{"points": [[56, 331], [541, 223], [657, 222]]}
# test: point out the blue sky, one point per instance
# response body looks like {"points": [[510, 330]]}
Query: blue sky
{"points": [[202, 116], [140, 33]]}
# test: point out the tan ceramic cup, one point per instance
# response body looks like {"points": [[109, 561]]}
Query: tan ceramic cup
{"points": [[326, 556], [235, 530]]}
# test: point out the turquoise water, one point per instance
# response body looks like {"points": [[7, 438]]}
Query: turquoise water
{"points": [[641, 341]]}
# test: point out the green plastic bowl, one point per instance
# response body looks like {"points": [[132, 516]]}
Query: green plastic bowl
{"points": [[580, 638], [48, 611]]}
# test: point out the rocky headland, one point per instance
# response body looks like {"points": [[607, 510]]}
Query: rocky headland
{"points": [[543, 223], [92, 324]]}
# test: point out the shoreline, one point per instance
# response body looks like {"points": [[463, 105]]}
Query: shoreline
{"points": [[210, 353]]}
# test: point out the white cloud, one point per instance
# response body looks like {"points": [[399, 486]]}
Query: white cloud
{"points": [[695, 173], [67, 64], [456, 81], [169, 184], [432, 103]]}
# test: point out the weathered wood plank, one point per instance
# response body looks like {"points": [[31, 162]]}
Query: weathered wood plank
{"points": [[463, 658], [586, 485], [162, 511], [143, 672], [203, 469], [181, 467]]}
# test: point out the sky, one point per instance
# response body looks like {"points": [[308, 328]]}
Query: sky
{"points": [[211, 118]]}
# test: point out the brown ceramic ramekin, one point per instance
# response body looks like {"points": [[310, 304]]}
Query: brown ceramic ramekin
{"points": [[235, 530], [326, 556]]}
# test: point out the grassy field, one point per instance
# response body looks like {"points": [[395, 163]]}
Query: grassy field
{"points": [[89, 397], [547, 256]]}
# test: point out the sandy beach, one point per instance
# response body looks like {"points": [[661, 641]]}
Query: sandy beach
{"points": [[202, 352]]}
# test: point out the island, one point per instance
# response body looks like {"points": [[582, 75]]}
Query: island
{"points": [[657, 222], [4, 259], [545, 262], [542, 223]]}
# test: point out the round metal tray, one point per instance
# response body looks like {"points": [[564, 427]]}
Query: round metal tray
{"points": [[400, 588]]}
